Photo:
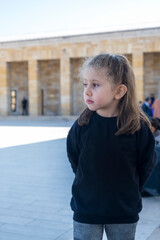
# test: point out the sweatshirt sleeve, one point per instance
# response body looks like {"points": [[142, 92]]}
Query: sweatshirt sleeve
{"points": [[146, 154], [73, 150]]}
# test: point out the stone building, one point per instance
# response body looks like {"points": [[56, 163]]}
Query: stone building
{"points": [[45, 70]]}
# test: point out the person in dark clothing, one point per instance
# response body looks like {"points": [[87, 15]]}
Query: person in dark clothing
{"points": [[152, 99], [146, 107], [152, 186], [155, 127], [24, 106], [111, 151]]}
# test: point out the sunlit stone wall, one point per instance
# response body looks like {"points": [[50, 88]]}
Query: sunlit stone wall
{"points": [[152, 74], [49, 77], [46, 70], [77, 86], [18, 81]]}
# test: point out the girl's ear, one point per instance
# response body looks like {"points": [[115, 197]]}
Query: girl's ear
{"points": [[120, 91]]}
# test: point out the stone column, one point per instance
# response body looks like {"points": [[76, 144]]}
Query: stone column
{"points": [[4, 94], [137, 63], [65, 83], [33, 86]]}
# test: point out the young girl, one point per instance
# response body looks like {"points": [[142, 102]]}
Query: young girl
{"points": [[111, 151]]}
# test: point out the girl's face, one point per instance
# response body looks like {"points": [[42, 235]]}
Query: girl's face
{"points": [[99, 93]]}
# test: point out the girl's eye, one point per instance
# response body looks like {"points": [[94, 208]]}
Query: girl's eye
{"points": [[85, 84], [95, 85]]}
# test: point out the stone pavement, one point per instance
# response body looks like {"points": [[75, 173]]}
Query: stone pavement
{"points": [[35, 185]]}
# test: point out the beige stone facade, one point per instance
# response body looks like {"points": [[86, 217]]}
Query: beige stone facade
{"points": [[45, 70]]}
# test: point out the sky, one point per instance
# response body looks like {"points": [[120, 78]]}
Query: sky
{"points": [[30, 18]]}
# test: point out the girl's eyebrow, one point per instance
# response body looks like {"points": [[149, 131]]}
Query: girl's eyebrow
{"points": [[96, 80], [93, 80]]}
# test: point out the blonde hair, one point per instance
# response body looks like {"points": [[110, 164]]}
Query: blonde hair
{"points": [[119, 71]]}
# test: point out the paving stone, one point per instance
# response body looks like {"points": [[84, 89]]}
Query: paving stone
{"points": [[155, 235], [31, 231]]}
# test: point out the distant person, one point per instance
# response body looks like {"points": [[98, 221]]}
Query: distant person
{"points": [[156, 108], [155, 127], [24, 106], [140, 103], [111, 151], [152, 99], [146, 107], [152, 186]]}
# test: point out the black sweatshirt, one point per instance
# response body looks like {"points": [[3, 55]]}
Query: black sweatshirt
{"points": [[109, 170]]}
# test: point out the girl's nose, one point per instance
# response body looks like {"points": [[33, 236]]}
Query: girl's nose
{"points": [[88, 92]]}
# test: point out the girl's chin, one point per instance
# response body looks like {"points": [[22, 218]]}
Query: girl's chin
{"points": [[91, 108]]}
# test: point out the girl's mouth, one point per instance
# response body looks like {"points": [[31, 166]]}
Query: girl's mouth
{"points": [[89, 101]]}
